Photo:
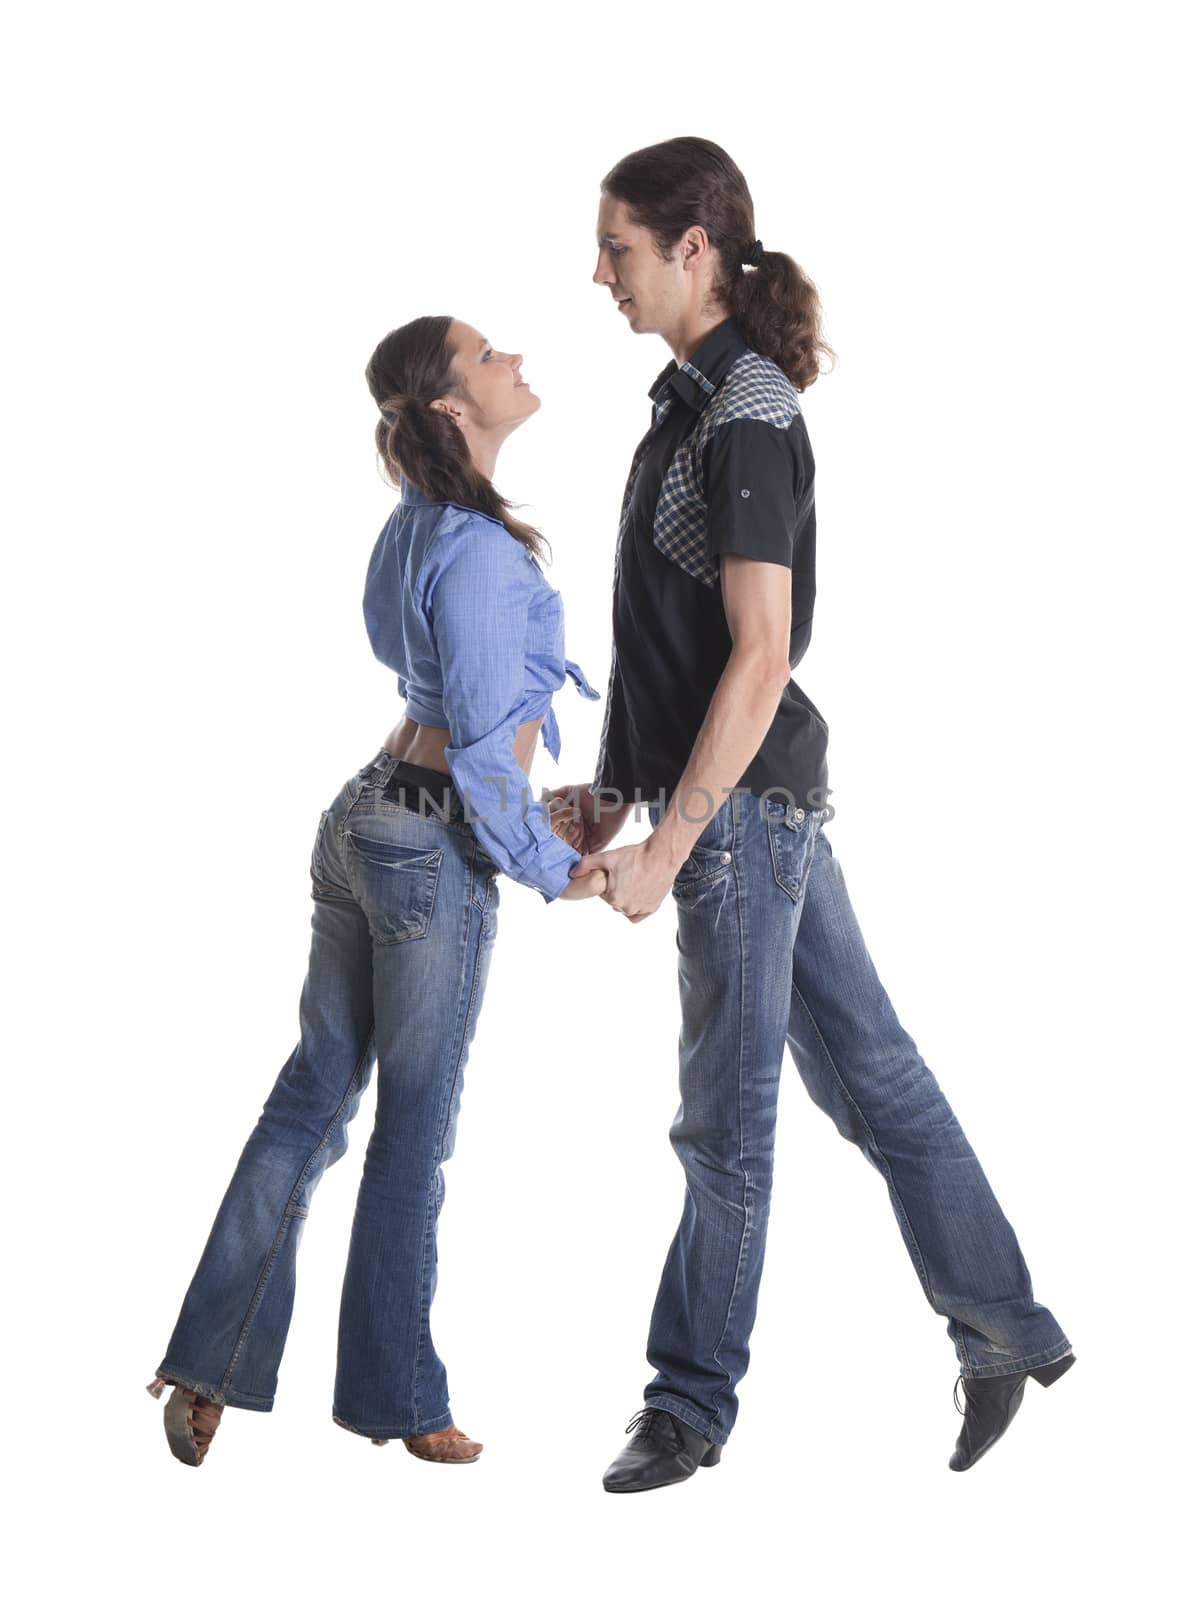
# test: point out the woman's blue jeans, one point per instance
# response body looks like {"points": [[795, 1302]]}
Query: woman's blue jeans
{"points": [[771, 956], [404, 922]]}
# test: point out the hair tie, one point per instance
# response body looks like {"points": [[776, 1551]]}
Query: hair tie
{"points": [[753, 255]]}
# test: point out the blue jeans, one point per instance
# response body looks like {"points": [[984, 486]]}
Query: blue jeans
{"points": [[770, 955], [404, 922]]}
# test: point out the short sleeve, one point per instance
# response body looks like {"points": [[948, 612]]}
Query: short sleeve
{"points": [[751, 479]]}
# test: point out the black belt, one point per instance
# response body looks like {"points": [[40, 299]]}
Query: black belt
{"points": [[424, 790]]}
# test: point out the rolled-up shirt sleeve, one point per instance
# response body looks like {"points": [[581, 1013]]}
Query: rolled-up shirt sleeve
{"points": [[751, 486], [478, 603]]}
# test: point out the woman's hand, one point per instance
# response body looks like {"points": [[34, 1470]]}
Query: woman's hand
{"points": [[586, 886], [565, 822], [601, 821]]}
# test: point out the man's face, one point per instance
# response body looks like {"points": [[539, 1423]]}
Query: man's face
{"points": [[648, 292]]}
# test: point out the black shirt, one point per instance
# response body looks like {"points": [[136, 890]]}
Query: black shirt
{"points": [[725, 466]]}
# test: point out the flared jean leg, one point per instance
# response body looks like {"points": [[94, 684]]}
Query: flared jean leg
{"points": [[391, 1382], [863, 1069], [404, 920], [229, 1337]]}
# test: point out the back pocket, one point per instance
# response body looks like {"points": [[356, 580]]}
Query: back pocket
{"points": [[792, 835], [395, 884]]}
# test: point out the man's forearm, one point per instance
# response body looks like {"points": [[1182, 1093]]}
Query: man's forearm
{"points": [[603, 818], [740, 713]]}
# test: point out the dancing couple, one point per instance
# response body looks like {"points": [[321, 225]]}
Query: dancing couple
{"points": [[705, 728]]}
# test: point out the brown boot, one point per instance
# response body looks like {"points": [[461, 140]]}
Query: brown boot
{"points": [[448, 1444]]}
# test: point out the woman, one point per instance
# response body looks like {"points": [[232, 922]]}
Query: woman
{"points": [[403, 870]]}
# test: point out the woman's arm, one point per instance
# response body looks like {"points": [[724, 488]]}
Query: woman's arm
{"points": [[477, 600]]}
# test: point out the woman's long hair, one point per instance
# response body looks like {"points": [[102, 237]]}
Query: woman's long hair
{"points": [[410, 367], [682, 183]]}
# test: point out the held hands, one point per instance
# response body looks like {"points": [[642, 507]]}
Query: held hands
{"points": [[633, 879], [568, 825], [638, 876], [585, 886]]}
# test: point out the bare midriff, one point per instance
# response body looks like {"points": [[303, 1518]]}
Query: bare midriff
{"points": [[425, 746]]}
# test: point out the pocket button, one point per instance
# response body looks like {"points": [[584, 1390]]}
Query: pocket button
{"points": [[726, 856]]}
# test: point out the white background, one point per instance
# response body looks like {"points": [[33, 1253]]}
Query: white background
{"points": [[217, 212]]}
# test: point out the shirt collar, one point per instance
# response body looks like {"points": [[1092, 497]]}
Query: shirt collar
{"points": [[412, 495], [698, 378]]}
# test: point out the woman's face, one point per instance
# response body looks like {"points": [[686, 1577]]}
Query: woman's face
{"points": [[491, 391]]}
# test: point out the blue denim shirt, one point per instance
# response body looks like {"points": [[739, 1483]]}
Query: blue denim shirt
{"points": [[463, 614]]}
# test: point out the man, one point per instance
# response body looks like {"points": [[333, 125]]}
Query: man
{"points": [[713, 600]]}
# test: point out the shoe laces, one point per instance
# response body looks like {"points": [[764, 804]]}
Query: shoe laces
{"points": [[962, 1410], [646, 1420]]}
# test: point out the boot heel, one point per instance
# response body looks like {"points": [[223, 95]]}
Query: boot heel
{"points": [[156, 1388], [1047, 1375], [711, 1456]]}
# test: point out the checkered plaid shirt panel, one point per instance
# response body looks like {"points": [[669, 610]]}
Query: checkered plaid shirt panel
{"points": [[662, 407], [753, 387]]}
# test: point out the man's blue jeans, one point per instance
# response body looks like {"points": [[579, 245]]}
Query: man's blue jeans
{"points": [[404, 922], [770, 955]]}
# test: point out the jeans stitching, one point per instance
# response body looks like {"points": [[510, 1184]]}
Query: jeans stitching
{"points": [[322, 888], [423, 1301], [452, 1080], [431, 868], [443, 1420], [778, 866], [457, 1075], [704, 1425], [1002, 1369], [885, 1168], [746, 1204], [231, 1397], [288, 1216]]}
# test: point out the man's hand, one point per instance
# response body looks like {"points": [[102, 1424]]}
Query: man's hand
{"points": [[639, 876], [600, 820]]}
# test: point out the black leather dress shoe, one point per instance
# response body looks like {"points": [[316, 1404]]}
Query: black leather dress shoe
{"points": [[991, 1405], [663, 1450]]}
